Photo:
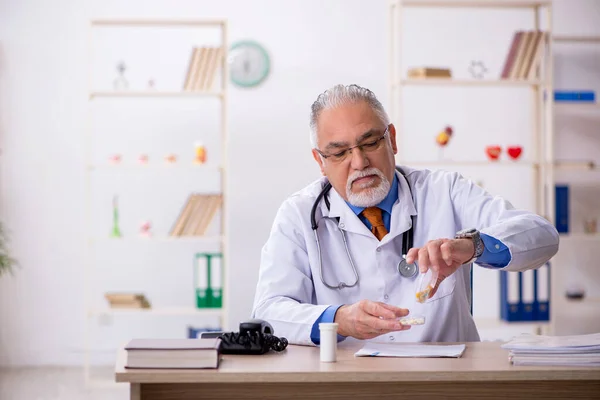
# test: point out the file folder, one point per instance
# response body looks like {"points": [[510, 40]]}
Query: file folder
{"points": [[561, 208], [525, 296], [208, 273]]}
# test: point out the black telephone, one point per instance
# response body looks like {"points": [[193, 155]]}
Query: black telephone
{"points": [[255, 337]]}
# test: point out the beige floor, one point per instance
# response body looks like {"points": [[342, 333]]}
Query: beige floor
{"points": [[47, 383]]}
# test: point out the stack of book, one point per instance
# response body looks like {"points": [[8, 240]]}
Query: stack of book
{"points": [[202, 68], [576, 350], [127, 300], [429, 72], [525, 55], [173, 353], [196, 214]]}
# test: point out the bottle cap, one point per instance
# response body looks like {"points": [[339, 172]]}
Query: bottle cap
{"points": [[328, 326], [425, 285]]}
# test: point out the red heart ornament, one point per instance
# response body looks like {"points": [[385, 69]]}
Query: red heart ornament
{"points": [[514, 152], [493, 152]]}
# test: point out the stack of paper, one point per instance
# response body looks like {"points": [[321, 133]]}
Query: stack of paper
{"points": [[410, 350], [576, 350]]}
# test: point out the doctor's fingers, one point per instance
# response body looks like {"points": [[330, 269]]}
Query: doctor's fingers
{"points": [[423, 260], [399, 312], [377, 309], [436, 255], [381, 326]]}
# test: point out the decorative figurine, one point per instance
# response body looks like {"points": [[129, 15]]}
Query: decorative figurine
{"points": [[151, 83], [114, 159], [514, 152], [116, 232], [200, 157], [477, 69], [443, 138], [145, 229], [120, 82], [493, 152], [590, 225], [575, 291], [143, 159], [171, 158]]}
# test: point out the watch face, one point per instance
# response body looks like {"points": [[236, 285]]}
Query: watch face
{"points": [[466, 232], [249, 64]]}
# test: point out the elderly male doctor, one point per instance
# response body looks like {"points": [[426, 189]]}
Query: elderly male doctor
{"points": [[371, 206]]}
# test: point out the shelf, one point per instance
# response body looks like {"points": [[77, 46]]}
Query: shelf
{"points": [[206, 312], [468, 82], [154, 239], [580, 236], [473, 163], [474, 3], [150, 93], [579, 105], [585, 165], [159, 22], [584, 300], [154, 167], [576, 39]]}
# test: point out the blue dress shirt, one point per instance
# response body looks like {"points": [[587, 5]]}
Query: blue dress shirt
{"points": [[495, 253]]}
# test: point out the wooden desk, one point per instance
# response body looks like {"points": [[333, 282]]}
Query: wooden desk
{"points": [[483, 372]]}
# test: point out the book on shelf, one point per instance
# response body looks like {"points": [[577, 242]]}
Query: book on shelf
{"points": [[525, 55], [429, 72], [127, 300], [173, 353], [573, 350], [202, 68], [196, 214], [582, 96]]}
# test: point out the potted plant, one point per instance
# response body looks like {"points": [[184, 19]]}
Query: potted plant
{"points": [[6, 261]]}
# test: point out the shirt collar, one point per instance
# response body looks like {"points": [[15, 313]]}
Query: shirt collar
{"points": [[385, 204]]}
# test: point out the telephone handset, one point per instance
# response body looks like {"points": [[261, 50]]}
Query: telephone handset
{"points": [[255, 337]]}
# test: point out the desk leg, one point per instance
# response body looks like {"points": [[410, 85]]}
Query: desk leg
{"points": [[135, 392]]}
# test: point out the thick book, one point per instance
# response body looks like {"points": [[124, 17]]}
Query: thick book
{"points": [[173, 353]]}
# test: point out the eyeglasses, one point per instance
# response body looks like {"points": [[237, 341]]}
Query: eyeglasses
{"points": [[367, 147]]}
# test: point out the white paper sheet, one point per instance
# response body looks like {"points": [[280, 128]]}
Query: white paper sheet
{"points": [[410, 350]]}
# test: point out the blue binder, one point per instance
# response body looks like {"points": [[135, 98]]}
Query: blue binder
{"points": [[561, 215], [519, 309]]}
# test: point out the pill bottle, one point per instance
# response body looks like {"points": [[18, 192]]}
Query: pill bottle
{"points": [[328, 334], [425, 284]]}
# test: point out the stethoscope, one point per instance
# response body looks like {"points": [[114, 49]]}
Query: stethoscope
{"points": [[405, 269]]}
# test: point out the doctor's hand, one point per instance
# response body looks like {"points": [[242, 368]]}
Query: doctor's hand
{"points": [[368, 319], [442, 255]]}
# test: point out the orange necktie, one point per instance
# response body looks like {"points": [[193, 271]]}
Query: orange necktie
{"points": [[373, 215]]}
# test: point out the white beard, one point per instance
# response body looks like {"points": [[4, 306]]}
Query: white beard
{"points": [[371, 196]]}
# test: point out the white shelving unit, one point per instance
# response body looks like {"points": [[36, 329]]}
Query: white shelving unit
{"points": [[586, 308], [542, 161], [93, 308]]}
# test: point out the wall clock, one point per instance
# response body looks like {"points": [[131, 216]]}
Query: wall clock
{"points": [[249, 63]]}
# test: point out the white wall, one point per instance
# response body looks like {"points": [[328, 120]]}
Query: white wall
{"points": [[42, 119]]}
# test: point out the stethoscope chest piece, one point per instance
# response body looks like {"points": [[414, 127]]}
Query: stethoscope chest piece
{"points": [[407, 270]]}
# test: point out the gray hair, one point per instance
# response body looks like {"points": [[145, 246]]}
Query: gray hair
{"points": [[341, 94]]}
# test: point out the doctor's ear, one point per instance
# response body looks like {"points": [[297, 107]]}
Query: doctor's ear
{"points": [[319, 160], [392, 130]]}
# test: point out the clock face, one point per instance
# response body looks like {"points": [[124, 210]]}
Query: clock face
{"points": [[249, 64]]}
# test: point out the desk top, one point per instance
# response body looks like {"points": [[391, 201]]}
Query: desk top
{"points": [[481, 361]]}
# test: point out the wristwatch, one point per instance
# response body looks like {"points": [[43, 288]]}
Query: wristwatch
{"points": [[473, 234]]}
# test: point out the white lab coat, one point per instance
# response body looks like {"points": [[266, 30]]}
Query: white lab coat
{"points": [[291, 296]]}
